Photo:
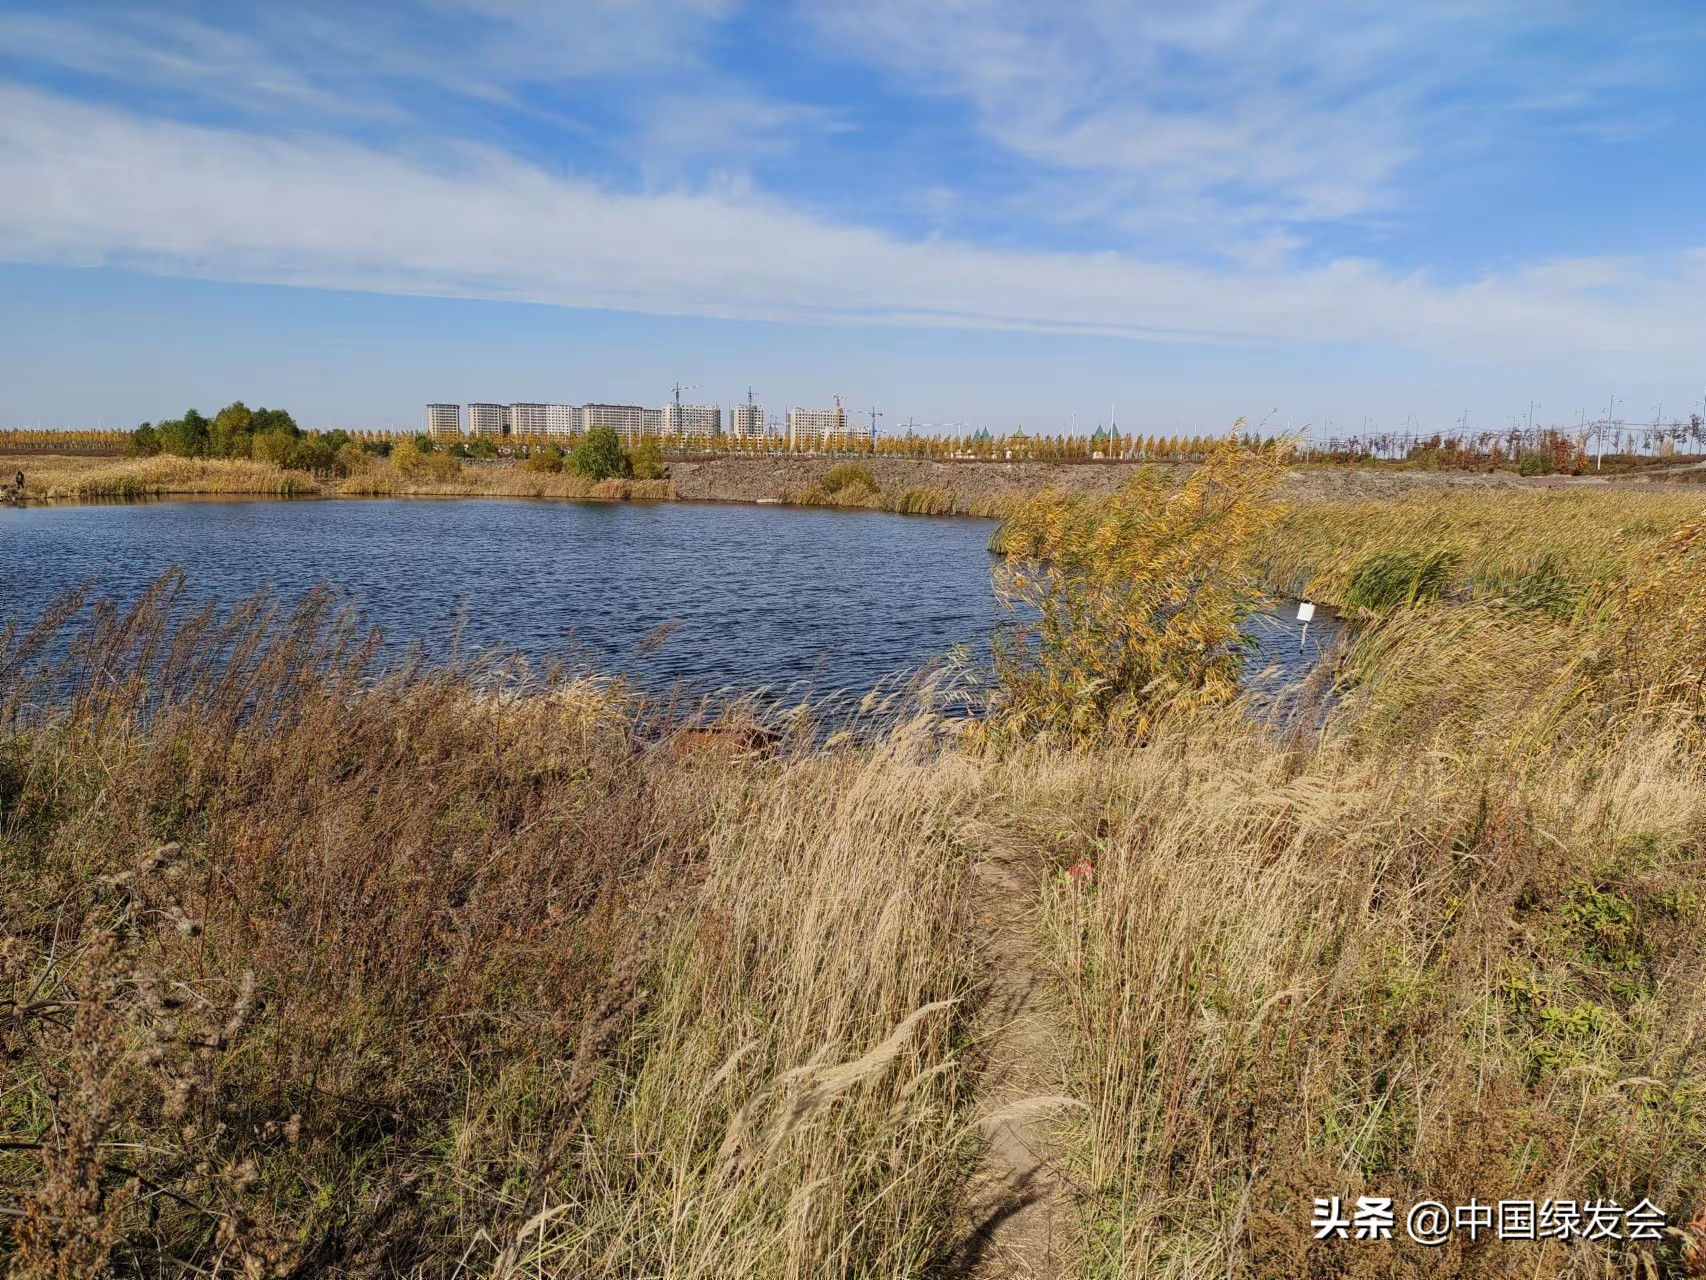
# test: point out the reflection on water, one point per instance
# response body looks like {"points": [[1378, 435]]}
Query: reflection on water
{"points": [[741, 596]]}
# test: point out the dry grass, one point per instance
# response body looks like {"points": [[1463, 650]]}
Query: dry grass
{"points": [[383, 480], [926, 501], [129, 478], [1498, 538], [304, 974], [79, 478], [1451, 946]]}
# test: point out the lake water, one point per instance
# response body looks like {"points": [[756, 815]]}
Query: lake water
{"points": [[757, 596]]}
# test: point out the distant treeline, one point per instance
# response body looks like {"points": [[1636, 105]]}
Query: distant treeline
{"points": [[273, 436], [265, 435]]}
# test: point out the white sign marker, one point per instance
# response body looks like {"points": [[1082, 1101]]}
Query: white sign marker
{"points": [[1305, 611]]}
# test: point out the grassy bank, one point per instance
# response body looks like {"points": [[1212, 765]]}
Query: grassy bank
{"points": [[307, 973], [851, 484], [83, 479]]}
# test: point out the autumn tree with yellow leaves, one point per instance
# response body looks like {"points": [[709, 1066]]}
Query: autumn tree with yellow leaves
{"points": [[1139, 599]]}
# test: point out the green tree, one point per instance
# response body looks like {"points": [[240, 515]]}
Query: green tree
{"points": [[274, 420], [144, 442], [600, 456], [312, 453], [646, 462], [186, 436], [231, 431], [272, 446]]}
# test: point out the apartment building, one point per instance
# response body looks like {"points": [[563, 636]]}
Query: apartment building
{"points": [[561, 419], [626, 420], [809, 428], [531, 419], [692, 420], [443, 420], [489, 420], [746, 421], [527, 419]]}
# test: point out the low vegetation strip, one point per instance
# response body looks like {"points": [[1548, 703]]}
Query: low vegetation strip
{"points": [[85, 479]]}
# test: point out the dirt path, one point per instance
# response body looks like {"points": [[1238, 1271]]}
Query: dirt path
{"points": [[1020, 1208]]}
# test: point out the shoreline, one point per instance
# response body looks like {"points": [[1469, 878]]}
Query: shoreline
{"points": [[904, 486]]}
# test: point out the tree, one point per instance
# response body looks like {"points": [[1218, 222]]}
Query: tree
{"points": [[274, 420], [600, 456], [646, 462], [407, 457], [272, 446], [231, 431], [312, 453], [186, 436], [144, 442], [1138, 599]]}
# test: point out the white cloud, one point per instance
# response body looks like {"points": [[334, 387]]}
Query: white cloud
{"points": [[90, 185], [1235, 119]]}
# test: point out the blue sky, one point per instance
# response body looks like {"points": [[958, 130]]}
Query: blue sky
{"points": [[971, 211]]}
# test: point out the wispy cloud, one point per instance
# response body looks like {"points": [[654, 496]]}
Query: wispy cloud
{"points": [[89, 185], [332, 59], [1241, 119]]}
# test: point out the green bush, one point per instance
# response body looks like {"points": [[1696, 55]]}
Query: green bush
{"points": [[600, 456], [646, 461], [312, 453], [547, 459], [1535, 464], [144, 442]]}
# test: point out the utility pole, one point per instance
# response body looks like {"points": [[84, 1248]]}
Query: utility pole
{"points": [[1599, 430]]}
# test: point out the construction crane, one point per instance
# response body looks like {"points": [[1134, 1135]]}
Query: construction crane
{"points": [[874, 416]]}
